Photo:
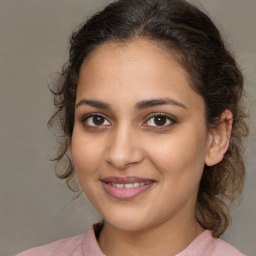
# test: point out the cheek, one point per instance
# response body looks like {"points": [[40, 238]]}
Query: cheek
{"points": [[180, 153], [85, 154]]}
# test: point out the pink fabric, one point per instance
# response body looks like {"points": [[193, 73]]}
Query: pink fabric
{"points": [[86, 245]]}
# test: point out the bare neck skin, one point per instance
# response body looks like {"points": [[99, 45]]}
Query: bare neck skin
{"points": [[166, 239]]}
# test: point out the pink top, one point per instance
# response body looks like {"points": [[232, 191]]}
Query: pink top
{"points": [[86, 245]]}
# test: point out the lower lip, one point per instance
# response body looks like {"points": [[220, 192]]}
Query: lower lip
{"points": [[125, 193]]}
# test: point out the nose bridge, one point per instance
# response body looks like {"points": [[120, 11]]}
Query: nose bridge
{"points": [[124, 149]]}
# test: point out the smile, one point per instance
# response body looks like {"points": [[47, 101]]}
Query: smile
{"points": [[129, 185], [125, 188]]}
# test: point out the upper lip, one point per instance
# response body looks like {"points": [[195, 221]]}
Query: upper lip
{"points": [[125, 180]]}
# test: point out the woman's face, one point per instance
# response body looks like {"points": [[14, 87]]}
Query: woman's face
{"points": [[140, 141]]}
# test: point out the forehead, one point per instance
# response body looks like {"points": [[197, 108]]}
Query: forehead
{"points": [[138, 69], [140, 53]]}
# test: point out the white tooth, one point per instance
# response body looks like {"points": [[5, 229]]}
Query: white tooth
{"points": [[117, 185], [136, 184], [129, 185]]}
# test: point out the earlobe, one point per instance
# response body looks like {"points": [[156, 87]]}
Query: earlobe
{"points": [[218, 140]]}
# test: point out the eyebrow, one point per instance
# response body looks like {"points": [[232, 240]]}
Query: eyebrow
{"points": [[156, 102], [139, 106], [94, 103]]}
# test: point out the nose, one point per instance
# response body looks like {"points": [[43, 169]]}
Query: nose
{"points": [[125, 149]]}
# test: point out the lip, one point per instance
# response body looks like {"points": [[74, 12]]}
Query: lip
{"points": [[125, 193], [125, 180]]}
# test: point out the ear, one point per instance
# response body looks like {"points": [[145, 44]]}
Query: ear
{"points": [[218, 140]]}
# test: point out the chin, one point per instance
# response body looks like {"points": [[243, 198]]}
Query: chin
{"points": [[127, 222], [127, 226]]}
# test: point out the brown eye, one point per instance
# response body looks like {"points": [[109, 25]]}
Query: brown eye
{"points": [[98, 120], [159, 121], [95, 120]]}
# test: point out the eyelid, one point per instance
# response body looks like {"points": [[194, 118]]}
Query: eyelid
{"points": [[169, 117], [87, 116]]}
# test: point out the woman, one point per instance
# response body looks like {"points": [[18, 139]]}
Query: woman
{"points": [[150, 105]]}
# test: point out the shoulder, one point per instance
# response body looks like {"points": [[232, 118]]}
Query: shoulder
{"points": [[65, 247], [206, 245], [85, 244], [223, 248]]}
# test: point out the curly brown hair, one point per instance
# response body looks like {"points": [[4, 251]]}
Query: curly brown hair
{"points": [[196, 43]]}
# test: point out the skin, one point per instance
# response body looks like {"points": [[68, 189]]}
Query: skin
{"points": [[128, 142]]}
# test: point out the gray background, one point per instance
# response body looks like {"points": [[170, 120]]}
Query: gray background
{"points": [[35, 207]]}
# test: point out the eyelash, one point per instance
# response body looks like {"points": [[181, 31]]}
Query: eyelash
{"points": [[169, 118], [92, 115]]}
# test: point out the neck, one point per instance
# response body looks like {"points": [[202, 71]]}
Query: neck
{"points": [[167, 238]]}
